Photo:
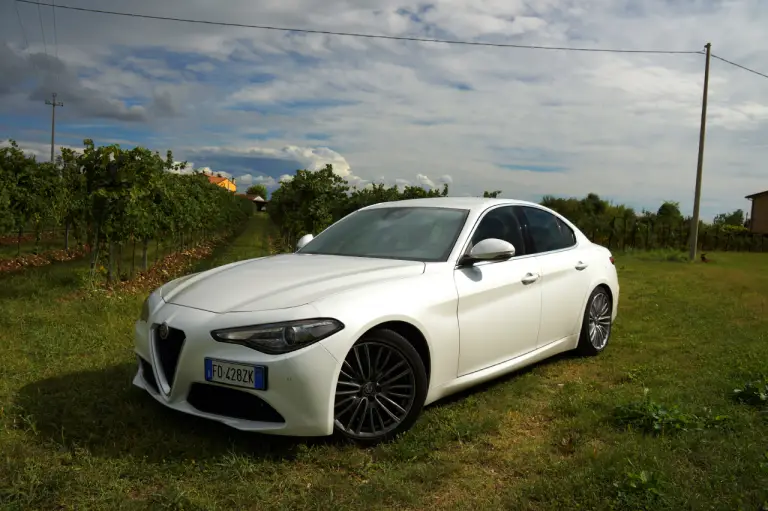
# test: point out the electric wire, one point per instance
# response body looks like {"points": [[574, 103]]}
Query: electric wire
{"points": [[758, 73], [21, 24], [361, 35], [55, 36], [42, 30]]}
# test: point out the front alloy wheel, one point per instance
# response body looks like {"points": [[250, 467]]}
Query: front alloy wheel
{"points": [[381, 388]]}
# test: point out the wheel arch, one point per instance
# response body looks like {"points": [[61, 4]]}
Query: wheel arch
{"points": [[607, 288], [598, 283], [413, 335], [591, 289]]}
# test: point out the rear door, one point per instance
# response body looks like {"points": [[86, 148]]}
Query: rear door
{"points": [[565, 273]]}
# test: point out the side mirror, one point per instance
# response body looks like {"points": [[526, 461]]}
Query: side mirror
{"points": [[489, 249], [303, 241]]}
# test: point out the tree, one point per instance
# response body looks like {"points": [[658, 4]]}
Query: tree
{"points": [[312, 201], [491, 195], [258, 189], [735, 218], [308, 203], [669, 213]]}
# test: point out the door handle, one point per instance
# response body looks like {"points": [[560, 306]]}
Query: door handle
{"points": [[530, 278], [581, 265]]}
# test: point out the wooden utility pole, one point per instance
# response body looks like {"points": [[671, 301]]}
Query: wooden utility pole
{"points": [[53, 104], [694, 235]]}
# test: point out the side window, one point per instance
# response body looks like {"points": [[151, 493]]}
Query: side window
{"points": [[547, 231], [501, 223], [568, 236]]}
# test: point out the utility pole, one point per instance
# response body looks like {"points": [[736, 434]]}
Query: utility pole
{"points": [[53, 104], [694, 235]]}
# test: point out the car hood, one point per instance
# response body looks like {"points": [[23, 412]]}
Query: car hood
{"points": [[282, 281]]}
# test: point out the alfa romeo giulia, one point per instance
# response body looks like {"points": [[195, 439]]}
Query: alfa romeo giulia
{"points": [[389, 309]]}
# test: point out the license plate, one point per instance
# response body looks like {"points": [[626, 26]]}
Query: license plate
{"points": [[239, 375]]}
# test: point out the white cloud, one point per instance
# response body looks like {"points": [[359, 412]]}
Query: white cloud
{"points": [[424, 180], [248, 179], [245, 179], [265, 180], [191, 169], [41, 151], [311, 158], [624, 126]]}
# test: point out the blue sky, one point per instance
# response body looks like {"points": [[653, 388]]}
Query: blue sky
{"points": [[258, 105]]}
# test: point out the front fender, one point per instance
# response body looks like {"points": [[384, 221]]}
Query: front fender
{"points": [[427, 302]]}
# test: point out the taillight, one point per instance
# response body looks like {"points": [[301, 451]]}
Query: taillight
{"points": [[612, 261]]}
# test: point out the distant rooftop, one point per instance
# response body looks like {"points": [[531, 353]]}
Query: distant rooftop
{"points": [[755, 195]]}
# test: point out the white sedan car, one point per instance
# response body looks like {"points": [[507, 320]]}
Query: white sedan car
{"points": [[389, 309]]}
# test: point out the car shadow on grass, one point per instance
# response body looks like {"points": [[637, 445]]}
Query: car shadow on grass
{"points": [[104, 413]]}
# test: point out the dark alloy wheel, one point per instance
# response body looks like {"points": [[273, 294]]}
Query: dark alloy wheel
{"points": [[381, 389], [597, 323]]}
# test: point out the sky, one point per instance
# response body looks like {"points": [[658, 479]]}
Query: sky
{"points": [[260, 104]]}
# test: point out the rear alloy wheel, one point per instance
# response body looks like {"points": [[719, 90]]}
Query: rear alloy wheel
{"points": [[597, 323], [381, 389]]}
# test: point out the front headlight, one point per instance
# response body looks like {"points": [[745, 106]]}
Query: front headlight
{"points": [[277, 338]]}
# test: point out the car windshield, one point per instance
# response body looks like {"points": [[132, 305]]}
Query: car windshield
{"points": [[411, 233]]}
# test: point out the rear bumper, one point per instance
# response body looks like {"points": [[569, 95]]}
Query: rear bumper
{"points": [[300, 390]]}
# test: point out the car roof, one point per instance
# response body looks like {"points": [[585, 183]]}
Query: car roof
{"points": [[469, 203]]}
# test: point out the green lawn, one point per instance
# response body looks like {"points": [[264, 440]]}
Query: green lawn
{"points": [[74, 434]]}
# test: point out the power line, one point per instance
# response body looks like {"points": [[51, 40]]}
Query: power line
{"points": [[55, 44], [26, 41], [42, 30], [55, 37], [758, 73], [353, 34], [21, 24]]}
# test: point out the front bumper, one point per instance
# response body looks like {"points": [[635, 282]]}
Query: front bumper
{"points": [[301, 385]]}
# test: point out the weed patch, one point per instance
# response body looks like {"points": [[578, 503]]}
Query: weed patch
{"points": [[650, 417], [639, 490], [754, 393]]}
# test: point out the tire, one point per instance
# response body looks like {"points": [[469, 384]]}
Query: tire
{"points": [[381, 389], [598, 312]]}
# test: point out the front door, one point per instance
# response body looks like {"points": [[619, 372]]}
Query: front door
{"points": [[499, 302]]}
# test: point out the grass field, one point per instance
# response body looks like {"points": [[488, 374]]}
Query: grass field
{"points": [[74, 434]]}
